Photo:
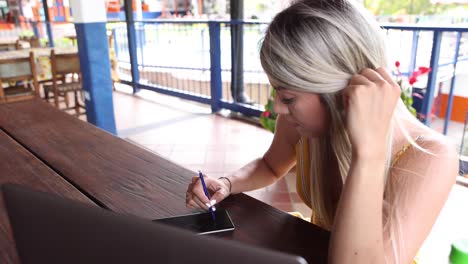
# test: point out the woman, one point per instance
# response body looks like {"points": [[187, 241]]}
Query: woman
{"points": [[372, 174]]}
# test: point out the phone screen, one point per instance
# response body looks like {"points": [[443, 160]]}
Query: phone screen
{"points": [[201, 223]]}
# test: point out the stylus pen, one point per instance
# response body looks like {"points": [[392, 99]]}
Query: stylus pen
{"points": [[200, 174]]}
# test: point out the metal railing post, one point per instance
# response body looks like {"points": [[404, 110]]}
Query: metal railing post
{"points": [[35, 29], [132, 45], [215, 65], [452, 84], [414, 50], [432, 78], [47, 23]]}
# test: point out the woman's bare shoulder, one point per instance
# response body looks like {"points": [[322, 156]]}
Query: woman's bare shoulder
{"points": [[433, 155]]}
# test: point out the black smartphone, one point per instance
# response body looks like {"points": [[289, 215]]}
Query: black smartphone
{"points": [[201, 223]]}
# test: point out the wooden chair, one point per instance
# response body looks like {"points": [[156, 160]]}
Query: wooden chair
{"points": [[66, 78], [34, 42], [18, 79], [27, 43]]}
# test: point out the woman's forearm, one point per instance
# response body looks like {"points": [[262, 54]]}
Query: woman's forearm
{"points": [[254, 175], [357, 235]]}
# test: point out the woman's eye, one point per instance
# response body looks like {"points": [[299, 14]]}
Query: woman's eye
{"points": [[287, 100]]}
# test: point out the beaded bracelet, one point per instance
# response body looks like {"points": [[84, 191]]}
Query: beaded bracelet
{"points": [[230, 183]]}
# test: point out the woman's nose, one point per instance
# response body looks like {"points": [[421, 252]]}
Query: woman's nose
{"points": [[279, 107]]}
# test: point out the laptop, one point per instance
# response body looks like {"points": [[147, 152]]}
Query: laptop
{"points": [[51, 229]]}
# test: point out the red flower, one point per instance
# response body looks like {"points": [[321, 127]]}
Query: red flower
{"points": [[266, 114], [413, 79], [397, 64], [424, 70]]}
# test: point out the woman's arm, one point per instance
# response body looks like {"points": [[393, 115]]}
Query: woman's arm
{"points": [[420, 184], [276, 162], [357, 233]]}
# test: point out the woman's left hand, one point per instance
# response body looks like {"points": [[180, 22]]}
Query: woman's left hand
{"points": [[370, 100]]}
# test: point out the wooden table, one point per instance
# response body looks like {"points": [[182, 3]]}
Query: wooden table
{"points": [[42, 55], [53, 151]]}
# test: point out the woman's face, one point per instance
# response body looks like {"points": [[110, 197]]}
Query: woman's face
{"points": [[303, 110]]}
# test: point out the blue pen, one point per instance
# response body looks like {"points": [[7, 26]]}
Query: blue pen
{"points": [[200, 174]]}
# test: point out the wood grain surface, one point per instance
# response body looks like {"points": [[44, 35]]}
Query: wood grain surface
{"points": [[128, 179], [19, 166]]}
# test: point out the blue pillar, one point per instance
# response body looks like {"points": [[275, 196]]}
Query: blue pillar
{"points": [[48, 25], [215, 65], [90, 24], [132, 45], [432, 78]]}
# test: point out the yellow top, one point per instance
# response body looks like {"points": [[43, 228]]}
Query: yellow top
{"points": [[303, 173], [303, 177]]}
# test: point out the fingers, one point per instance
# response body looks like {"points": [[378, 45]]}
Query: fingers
{"points": [[200, 203], [377, 75], [194, 202], [368, 78], [359, 79], [386, 76], [219, 195], [372, 75], [197, 191], [195, 195]]}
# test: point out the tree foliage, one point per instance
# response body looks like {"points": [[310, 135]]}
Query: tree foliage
{"points": [[405, 7]]}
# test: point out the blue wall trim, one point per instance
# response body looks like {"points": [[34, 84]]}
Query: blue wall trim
{"points": [[95, 67]]}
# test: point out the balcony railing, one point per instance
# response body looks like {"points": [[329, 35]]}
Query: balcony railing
{"points": [[193, 60]]}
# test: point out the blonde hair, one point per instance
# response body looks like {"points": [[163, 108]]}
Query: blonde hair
{"points": [[317, 46]]}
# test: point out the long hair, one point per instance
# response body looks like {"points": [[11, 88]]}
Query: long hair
{"points": [[317, 46]]}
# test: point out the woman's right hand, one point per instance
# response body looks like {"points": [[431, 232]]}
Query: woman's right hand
{"points": [[195, 197]]}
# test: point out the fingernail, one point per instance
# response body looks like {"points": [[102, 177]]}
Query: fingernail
{"points": [[213, 208], [208, 204], [213, 202]]}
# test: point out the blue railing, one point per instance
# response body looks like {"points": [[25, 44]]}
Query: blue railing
{"points": [[192, 59], [174, 57], [439, 59]]}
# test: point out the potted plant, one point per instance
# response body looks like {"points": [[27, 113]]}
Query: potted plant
{"points": [[268, 117], [407, 94]]}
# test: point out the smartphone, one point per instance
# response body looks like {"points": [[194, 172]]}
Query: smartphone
{"points": [[201, 223]]}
